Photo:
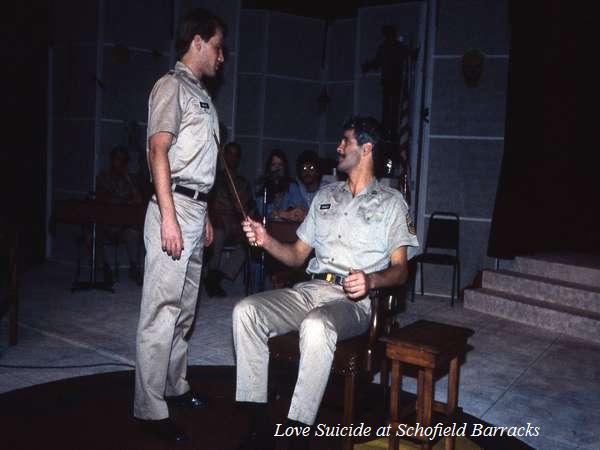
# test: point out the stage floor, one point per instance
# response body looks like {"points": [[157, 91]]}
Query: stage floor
{"points": [[514, 375]]}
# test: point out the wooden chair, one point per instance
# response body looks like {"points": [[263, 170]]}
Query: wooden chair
{"points": [[9, 282], [356, 359]]}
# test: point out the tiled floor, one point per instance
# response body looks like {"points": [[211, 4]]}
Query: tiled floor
{"points": [[514, 375]]}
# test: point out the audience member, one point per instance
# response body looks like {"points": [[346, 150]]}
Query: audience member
{"points": [[283, 198], [115, 185], [308, 170]]}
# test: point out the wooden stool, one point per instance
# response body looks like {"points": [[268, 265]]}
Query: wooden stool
{"points": [[432, 348]]}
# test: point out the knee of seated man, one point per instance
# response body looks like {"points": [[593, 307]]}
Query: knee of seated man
{"points": [[316, 327], [245, 308]]}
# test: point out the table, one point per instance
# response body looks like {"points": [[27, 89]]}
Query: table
{"points": [[94, 212], [434, 349]]}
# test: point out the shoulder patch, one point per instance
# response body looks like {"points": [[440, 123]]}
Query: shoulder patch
{"points": [[410, 224]]}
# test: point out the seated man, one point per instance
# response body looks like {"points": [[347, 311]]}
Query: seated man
{"points": [[116, 186], [226, 216], [359, 230]]}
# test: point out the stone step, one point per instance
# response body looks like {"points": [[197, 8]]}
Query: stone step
{"points": [[533, 286], [538, 313], [574, 268]]}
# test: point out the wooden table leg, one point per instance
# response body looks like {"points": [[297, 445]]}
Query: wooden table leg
{"points": [[425, 400], [395, 389], [453, 376]]}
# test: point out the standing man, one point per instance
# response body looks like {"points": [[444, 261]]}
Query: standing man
{"points": [[359, 230], [182, 155]]}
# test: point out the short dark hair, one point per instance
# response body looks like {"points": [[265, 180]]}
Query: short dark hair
{"points": [[308, 156], [366, 130], [235, 145], [198, 21]]}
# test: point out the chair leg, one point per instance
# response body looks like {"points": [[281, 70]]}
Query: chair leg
{"points": [[422, 281], [413, 279], [349, 407], [457, 278], [117, 260], [384, 378], [453, 285]]}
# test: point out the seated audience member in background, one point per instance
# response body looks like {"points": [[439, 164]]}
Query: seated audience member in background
{"points": [[226, 218], [308, 170], [115, 185], [284, 200]]}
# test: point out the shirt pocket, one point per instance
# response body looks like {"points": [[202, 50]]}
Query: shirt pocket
{"points": [[326, 222], [368, 228]]}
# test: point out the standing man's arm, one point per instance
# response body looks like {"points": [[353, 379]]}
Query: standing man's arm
{"points": [[170, 232]]}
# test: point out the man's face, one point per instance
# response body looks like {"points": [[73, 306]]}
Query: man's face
{"points": [[348, 152], [232, 158], [308, 172], [211, 54]]}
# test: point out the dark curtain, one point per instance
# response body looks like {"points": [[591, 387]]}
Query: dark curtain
{"points": [[25, 40], [549, 186]]}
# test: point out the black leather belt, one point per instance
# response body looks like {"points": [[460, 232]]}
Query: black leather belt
{"points": [[329, 277], [191, 193]]}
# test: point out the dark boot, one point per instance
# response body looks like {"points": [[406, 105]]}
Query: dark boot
{"points": [[260, 436], [212, 284], [299, 442]]}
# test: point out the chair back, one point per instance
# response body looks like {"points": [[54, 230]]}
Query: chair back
{"points": [[443, 231]]}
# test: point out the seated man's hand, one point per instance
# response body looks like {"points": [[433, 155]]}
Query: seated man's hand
{"points": [[255, 232], [356, 284]]}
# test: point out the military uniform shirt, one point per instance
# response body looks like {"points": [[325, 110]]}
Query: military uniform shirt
{"points": [[180, 105], [358, 232]]}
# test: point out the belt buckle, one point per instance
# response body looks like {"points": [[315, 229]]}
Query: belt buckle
{"points": [[329, 277], [196, 194]]}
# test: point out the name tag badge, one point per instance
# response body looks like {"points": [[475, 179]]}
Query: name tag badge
{"points": [[325, 206], [204, 105]]}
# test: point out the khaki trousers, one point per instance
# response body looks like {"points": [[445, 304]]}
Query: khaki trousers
{"points": [[321, 313], [169, 296]]}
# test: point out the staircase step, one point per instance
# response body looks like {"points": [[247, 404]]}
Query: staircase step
{"points": [[580, 269], [533, 286], [539, 313]]}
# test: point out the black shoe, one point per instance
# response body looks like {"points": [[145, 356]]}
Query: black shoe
{"points": [[188, 400], [165, 430], [257, 441], [298, 442], [212, 284]]}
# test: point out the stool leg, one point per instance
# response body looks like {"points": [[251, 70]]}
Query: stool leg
{"points": [[453, 379], [425, 401], [396, 385]]}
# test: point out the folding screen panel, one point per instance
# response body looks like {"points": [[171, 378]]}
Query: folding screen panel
{"points": [[467, 129]]}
